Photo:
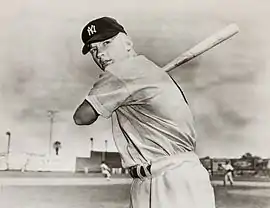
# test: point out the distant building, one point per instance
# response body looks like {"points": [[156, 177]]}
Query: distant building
{"points": [[92, 163], [36, 162]]}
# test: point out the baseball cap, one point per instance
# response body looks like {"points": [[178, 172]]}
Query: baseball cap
{"points": [[99, 30]]}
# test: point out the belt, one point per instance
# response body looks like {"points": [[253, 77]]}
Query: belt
{"points": [[139, 171], [162, 164]]}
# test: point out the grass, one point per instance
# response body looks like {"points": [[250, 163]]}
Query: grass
{"points": [[242, 197], [115, 196]]}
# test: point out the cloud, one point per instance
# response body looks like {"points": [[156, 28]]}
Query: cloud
{"points": [[227, 87]]}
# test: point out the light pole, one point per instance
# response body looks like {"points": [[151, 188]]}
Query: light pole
{"points": [[91, 146], [51, 115], [8, 148], [106, 147]]}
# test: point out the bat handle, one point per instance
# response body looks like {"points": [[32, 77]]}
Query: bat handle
{"points": [[177, 62]]}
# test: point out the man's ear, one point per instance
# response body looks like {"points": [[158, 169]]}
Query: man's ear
{"points": [[127, 42]]}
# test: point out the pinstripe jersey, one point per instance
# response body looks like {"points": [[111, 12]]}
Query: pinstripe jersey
{"points": [[150, 116]]}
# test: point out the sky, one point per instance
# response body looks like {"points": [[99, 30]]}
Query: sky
{"points": [[42, 68]]}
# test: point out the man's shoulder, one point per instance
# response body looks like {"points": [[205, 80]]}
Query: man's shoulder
{"points": [[131, 63], [136, 67]]}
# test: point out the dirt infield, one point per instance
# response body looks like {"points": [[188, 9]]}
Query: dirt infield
{"points": [[98, 180], [69, 190], [16, 178]]}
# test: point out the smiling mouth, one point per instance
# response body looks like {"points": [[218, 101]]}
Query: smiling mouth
{"points": [[106, 63]]}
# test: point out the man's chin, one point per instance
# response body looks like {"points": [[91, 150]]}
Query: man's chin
{"points": [[104, 66]]}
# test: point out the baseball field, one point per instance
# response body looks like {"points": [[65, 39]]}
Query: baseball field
{"points": [[97, 192]]}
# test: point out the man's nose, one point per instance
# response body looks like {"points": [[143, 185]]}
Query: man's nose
{"points": [[100, 53]]}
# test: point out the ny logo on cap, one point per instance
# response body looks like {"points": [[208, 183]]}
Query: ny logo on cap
{"points": [[91, 30]]}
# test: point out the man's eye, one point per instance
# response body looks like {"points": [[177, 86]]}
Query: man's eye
{"points": [[106, 42], [93, 50]]}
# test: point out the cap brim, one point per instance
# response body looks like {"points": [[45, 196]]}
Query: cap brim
{"points": [[98, 38], [85, 49]]}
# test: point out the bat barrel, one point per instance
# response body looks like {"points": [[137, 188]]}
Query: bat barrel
{"points": [[203, 46]]}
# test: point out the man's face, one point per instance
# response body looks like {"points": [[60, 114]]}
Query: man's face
{"points": [[109, 51]]}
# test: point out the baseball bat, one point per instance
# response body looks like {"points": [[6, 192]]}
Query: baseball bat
{"points": [[203, 46]]}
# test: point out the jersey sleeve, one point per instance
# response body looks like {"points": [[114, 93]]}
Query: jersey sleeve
{"points": [[107, 94]]}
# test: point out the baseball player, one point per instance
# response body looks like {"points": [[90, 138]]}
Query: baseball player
{"points": [[152, 124], [105, 170], [228, 177]]}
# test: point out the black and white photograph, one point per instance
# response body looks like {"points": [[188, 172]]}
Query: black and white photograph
{"points": [[135, 104]]}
